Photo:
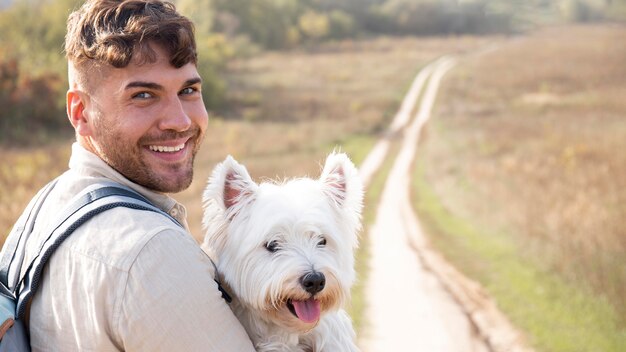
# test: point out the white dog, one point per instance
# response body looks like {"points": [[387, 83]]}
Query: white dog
{"points": [[285, 252]]}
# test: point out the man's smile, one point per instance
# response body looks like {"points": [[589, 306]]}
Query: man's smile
{"points": [[166, 149], [172, 151]]}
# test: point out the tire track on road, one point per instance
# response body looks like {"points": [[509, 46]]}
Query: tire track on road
{"points": [[416, 300]]}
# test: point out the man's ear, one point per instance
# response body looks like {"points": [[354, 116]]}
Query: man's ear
{"points": [[76, 112]]}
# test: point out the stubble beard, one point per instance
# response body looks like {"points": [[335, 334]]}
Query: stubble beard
{"points": [[127, 158]]}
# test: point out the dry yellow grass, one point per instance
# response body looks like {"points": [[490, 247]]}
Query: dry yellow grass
{"points": [[22, 173], [530, 139]]}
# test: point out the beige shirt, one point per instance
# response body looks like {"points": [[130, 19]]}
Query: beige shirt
{"points": [[127, 279]]}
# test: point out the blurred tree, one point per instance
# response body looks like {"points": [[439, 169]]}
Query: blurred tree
{"points": [[278, 24], [616, 9], [432, 17], [314, 25], [34, 72], [201, 12], [213, 49], [9, 75], [267, 22], [359, 10], [29, 105], [342, 25], [584, 10], [37, 44]]}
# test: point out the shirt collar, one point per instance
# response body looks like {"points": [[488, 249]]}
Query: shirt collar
{"points": [[88, 164]]}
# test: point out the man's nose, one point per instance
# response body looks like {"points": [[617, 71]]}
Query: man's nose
{"points": [[174, 117]]}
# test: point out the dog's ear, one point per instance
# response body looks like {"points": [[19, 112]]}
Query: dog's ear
{"points": [[341, 182], [230, 187]]}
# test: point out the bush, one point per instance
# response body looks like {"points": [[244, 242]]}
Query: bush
{"points": [[581, 11], [435, 17], [314, 25], [342, 25], [30, 110], [213, 53]]}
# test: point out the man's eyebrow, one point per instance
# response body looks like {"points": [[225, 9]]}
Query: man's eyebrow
{"points": [[140, 84], [192, 81], [156, 86]]}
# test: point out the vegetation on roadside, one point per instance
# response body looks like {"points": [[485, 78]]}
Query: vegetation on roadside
{"points": [[521, 180], [358, 306], [555, 315]]}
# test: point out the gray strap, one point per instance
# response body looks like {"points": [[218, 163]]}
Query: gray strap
{"points": [[86, 205], [79, 212], [15, 242]]}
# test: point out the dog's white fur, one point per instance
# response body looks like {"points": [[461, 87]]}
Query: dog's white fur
{"points": [[310, 226]]}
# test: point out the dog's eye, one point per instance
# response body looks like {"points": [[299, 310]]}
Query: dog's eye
{"points": [[321, 243], [272, 246]]}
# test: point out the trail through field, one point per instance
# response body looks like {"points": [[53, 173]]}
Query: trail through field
{"points": [[416, 301]]}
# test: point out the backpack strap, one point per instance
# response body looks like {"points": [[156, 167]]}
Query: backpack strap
{"points": [[13, 249], [88, 204]]}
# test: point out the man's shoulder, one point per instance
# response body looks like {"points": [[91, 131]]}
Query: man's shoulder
{"points": [[114, 237], [117, 236]]}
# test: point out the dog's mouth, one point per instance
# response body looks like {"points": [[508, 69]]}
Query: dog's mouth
{"points": [[308, 311]]}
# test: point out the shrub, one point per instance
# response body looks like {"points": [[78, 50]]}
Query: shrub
{"points": [[30, 108]]}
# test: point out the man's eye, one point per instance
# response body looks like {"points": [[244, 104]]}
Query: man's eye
{"points": [[188, 90], [142, 95]]}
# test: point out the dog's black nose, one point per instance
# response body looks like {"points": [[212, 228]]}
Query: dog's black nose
{"points": [[313, 282]]}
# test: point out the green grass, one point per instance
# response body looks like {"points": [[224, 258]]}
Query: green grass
{"points": [[555, 315], [358, 147]]}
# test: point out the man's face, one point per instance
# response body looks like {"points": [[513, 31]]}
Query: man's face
{"points": [[147, 121]]}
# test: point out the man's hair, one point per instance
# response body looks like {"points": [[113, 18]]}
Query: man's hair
{"points": [[112, 31]]}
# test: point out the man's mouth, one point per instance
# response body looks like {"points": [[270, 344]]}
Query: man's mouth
{"points": [[308, 311], [166, 149]]}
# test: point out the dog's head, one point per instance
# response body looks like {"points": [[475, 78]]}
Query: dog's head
{"points": [[286, 249]]}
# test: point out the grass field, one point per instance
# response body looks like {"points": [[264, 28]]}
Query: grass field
{"points": [[521, 182]]}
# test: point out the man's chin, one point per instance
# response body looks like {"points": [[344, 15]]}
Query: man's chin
{"points": [[164, 181], [169, 185]]}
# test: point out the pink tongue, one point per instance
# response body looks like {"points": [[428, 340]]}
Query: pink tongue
{"points": [[308, 311]]}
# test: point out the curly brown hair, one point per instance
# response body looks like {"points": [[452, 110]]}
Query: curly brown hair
{"points": [[112, 31]]}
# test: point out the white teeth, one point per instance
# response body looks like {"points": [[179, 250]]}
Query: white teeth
{"points": [[163, 149]]}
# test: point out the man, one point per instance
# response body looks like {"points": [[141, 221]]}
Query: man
{"points": [[129, 279]]}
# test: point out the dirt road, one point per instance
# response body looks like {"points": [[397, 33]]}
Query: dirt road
{"points": [[416, 300]]}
